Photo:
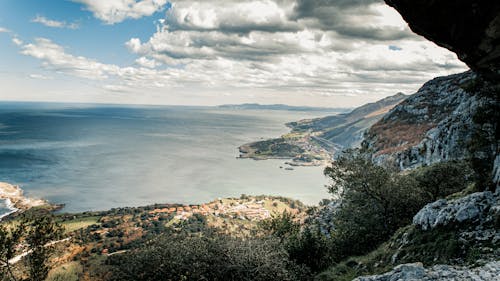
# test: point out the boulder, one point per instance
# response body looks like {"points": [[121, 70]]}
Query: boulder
{"points": [[475, 208], [416, 271]]}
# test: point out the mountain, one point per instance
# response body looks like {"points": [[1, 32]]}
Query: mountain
{"points": [[347, 129], [254, 106], [315, 141], [447, 119], [453, 117]]}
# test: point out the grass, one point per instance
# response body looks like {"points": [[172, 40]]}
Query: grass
{"points": [[276, 206], [440, 245], [67, 272], [79, 223]]}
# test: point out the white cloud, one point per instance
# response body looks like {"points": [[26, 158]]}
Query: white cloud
{"points": [[17, 41], [115, 88], [134, 45], [262, 47], [53, 23], [40, 76], [55, 58], [145, 62], [237, 16], [115, 11], [4, 30]]}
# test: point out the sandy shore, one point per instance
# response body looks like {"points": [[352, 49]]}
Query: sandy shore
{"points": [[15, 199]]}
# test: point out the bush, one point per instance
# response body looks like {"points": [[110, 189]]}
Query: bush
{"points": [[206, 257], [307, 247], [375, 202], [445, 178]]}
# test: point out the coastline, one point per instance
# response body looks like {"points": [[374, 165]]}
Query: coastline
{"points": [[310, 156], [10, 207], [15, 200]]}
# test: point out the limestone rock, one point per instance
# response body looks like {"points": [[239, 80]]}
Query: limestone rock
{"points": [[475, 208], [442, 121], [416, 271]]}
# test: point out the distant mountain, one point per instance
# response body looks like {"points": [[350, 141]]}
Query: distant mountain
{"points": [[347, 129], [281, 107], [315, 141]]}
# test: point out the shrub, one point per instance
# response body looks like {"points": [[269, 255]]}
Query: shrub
{"points": [[445, 178], [375, 202], [307, 247], [206, 257]]}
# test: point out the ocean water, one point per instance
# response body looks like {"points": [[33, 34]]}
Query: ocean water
{"points": [[3, 208], [98, 157]]}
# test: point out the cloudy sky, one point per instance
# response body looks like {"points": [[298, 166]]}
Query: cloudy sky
{"points": [[299, 52]]}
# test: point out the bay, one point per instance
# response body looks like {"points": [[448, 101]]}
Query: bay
{"points": [[93, 157]]}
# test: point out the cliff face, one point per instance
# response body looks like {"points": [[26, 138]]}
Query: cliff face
{"points": [[454, 117], [469, 28], [449, 118]]}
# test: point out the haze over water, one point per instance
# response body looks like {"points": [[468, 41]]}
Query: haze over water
{"points": [[96, 157]]}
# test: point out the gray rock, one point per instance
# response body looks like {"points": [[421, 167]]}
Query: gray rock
{"points": [[441, 116], [416, 271], [474, 208]]}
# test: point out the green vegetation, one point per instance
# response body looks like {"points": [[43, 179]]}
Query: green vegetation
{"points": [[36, 232], [375, 203], [275, 147], [67, 272], [363, 230], [444, 178], [79, 223], [205, 257]]}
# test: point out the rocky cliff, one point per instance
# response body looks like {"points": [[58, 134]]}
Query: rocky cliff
{"points": [[453, 117], [469, 28]]}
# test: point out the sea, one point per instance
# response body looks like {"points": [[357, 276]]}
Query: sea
{"points": [[4, 209], [96, 157]]}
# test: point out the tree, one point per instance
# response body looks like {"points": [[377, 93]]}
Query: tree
{"points": [[280, 225], [10, 237], [375, 202], [42, 230], [444, 178], [306, 247], [36, 232]]}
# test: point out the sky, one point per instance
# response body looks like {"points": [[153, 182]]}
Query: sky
{"points": [[333, 53]]}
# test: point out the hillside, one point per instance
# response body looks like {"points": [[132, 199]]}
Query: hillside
{"points": [[347, 129], [315, 141], [420, 199], [449, 118]]}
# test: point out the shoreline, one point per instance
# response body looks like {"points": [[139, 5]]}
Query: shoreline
{"points": [[10, 207], [15, 200]]}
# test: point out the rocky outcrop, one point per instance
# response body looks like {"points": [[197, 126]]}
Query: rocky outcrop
{"points": [[470, 28], [449, 118], [478, 208], [416, 271]]}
